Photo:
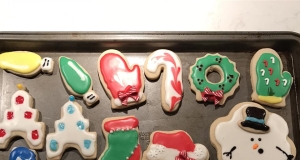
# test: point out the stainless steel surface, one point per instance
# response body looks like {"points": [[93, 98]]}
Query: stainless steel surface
{"points": [[193, 117]]}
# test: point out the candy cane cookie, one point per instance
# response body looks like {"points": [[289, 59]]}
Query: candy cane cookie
{"points": [[208, 91], [172, 89]]}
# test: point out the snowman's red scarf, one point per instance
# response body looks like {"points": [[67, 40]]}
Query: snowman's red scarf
{"points": [[289, 157]]}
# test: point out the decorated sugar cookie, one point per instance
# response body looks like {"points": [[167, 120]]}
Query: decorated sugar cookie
{"points": [[174, 145], [270, 84], [21, 120], [122, 138], [172, 89], [24, 63], [72, 130], [123, 84], [250, 132], [215, 92], [22, 153], [77, 80]]}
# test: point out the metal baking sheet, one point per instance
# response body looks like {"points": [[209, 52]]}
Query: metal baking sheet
{"points": [[193, 117]]}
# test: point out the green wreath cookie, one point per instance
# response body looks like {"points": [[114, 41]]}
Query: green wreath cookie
{"points": [[208, 91]]}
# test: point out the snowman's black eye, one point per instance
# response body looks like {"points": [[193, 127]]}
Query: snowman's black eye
{"points": [[252, 139], [259, 139]]}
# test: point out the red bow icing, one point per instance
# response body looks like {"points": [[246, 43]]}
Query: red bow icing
{"points": [[183, 156], [129, 91], [209, 95]]}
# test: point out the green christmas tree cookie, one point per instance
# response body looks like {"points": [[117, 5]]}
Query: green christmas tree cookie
{"points": [[270, 85]]}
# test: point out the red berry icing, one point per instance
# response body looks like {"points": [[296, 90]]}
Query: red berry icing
{"points": [[10, 115], [179, 140], [125, 123], [2, 133], [34, 134], [19, 100], [27, 115]]}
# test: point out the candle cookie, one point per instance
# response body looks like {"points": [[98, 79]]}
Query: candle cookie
{"points": [[171, 89], [123, 84], [77, 80], [72, 130], [269, 84], [22, 120], [26, 64], [122, 138], [174, 145], [215, 92], [249, 131], [22, 153]]}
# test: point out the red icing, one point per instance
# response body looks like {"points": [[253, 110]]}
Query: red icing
{"points": [[130, 91], [176, 84], [277, 81], [19, 100], [2, 133], [10, 115], [271, 71], [111, 65], [266, 63], [34, 134], [27, 115], [179, 140], [125, 123], [136, 154]]}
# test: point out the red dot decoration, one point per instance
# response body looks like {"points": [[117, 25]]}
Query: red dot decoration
{"points": [[34, 134], [19, 100], [27, 115], [2, 133], [10, 115]]}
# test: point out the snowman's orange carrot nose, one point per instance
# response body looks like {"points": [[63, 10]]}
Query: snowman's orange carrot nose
{"points": [[255, 146]]}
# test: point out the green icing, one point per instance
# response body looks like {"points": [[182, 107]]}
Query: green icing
{"points": [[271, 89], [120, 145], [200, 79], [74, 75]]}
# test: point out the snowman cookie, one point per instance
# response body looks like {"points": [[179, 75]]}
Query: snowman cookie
{"points": [[77, 80], [270, 84], [215, 92], [251, 132], [22, 153], [71, 131], [171, 88], [123, 84], [26, 64], [22, 120], [174, 145], [122, 138]]}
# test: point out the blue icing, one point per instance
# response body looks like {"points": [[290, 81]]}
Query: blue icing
{"points": [[71, 98], [80, 125], [22, 153], [87, 143], [53, 145], [253, 119], [70, 109], [61, 126]]}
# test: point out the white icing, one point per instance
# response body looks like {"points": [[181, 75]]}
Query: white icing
{"points": [[19, 122], [273, 59], [18, 158], [71, 133], [79, 72], [152, 66], [267, 81], [118, 102], [88, 97], [229, 134], [284, 82], [47, 65], [160, 152], [262, 72]]}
